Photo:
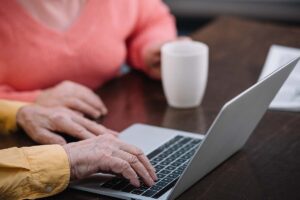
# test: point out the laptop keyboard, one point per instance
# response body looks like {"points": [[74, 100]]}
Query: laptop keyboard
{"points": [[169, 160]]}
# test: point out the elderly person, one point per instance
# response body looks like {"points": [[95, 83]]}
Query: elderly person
{"points": [[46, 42], [43, 44], [40, 171]]}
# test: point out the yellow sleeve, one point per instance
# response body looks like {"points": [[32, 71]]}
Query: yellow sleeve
{"points": [[33, 172], [8, 113]]}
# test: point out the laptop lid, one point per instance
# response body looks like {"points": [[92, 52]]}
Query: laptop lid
{"points": [[232, 127]]}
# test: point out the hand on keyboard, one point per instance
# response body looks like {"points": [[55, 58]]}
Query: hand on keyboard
{"points": [[169, 160], [107, 153]]}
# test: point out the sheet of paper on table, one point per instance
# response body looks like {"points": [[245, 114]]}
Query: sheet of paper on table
{"points": [[288, 97]]}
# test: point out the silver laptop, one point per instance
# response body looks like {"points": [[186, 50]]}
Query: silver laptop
{"points": [[182, 158]]}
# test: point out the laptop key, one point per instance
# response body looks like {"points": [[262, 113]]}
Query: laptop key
{"points": [[107, 185], [143, 188], [165, 189], [170, 167], [173, 141], [167, 179], [166, 162], [154, 153], [176, 164], [177, 154], [186, 157], [173, 156], [172, 176], [128, 188], [163, 155], [168, 152], [112, 182], [178, 172], [169, 160], [182, 167], [159, 167], [180, 160], [161, 183], [157, 159], [137, 191], [149, 193], [165, 171], [196, 141], [189, 146], [163, 147], [160, 176], [120, 185], [181, 152], [156, 187], [177, 146], [185, 141]]}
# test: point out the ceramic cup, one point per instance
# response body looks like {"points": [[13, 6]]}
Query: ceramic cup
{"points": [[184, 72]]}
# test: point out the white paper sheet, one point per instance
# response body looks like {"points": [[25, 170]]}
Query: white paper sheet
{"points": [[288, 97]]}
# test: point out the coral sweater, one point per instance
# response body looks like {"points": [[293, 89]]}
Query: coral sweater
{"points": [[105, 34]]}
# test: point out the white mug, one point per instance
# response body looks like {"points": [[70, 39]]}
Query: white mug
{"points": [[184, 72]]}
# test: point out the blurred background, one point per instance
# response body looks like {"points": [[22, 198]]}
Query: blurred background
{"points": [[192, 14]]}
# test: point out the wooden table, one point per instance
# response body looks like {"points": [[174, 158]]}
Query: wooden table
{"points": [[268, 167]]}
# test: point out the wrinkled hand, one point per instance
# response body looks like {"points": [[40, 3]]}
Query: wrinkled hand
{"points": [[42, 124], [106, 153], [152, 58], [74, 96]]}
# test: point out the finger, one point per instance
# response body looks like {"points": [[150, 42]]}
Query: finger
{"points": [[78, 113], [70, 111], [136, 165], [79, 105], [43, 136], [70, 127], [120, 166], [184, 38], [155, 72], [91, 126], [113, 132], [93, 100], [141, 156], [155, 62]]}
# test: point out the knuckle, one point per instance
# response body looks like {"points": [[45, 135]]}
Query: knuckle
{"points": [[105, 156], [124, 165], [138, 151], [109, 137], [72, 102], [133, 159], [60, 109], [58, 117], [80, 130]]}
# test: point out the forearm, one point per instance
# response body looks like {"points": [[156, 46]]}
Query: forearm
{"points": [[33, 172]]}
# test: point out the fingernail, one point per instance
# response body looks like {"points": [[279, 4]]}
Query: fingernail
{"points": [[105, 111], [151, 182], [97, 114], [153, 169], [155, 177], [136, 183]]}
